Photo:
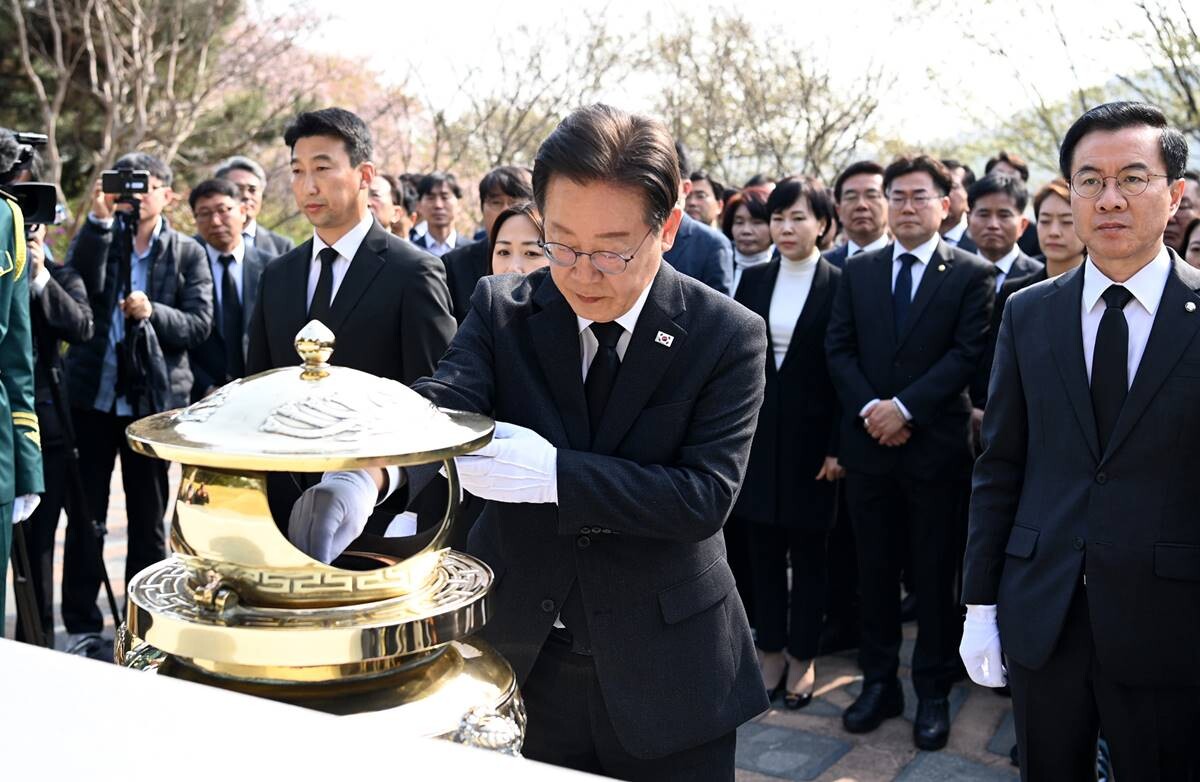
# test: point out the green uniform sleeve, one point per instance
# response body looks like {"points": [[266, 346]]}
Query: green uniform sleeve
{"points": [[16, 360]]}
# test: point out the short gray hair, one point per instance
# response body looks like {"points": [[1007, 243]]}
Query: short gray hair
{"points": [[241, 163]]}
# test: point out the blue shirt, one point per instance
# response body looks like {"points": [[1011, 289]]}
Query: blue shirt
{"points": [[139, 275]]}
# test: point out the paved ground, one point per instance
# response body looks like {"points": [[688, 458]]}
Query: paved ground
{"points": [[808, 744]]}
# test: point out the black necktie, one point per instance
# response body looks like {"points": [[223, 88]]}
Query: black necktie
{"points": [[902, 293], [231, 321], [603, 371], [1110, 362], [321, 307], [854, 252]]}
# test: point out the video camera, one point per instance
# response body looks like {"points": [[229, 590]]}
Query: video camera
{"points": [[38, 200]]}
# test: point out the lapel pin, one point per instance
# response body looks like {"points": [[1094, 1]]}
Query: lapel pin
{"points": [[1189, 307], [666, 339], [941, 267]]}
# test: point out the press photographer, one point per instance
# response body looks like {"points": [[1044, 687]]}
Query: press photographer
{"points": [[151, 291]]}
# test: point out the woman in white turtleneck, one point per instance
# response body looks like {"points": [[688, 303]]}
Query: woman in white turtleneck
{"points": [[745, 222], [787, 500]]}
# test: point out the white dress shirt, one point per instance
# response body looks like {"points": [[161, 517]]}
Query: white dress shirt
{"points": [[853, 248], [218, 271], [1147, 288], [787, 301], [955, 234], [346, 247], [1004, 266], [923, 253], [434, 247], [589, 345], [249, 231]]}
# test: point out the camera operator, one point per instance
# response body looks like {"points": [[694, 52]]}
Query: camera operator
{"points": [[20, 443], [151, 291]]}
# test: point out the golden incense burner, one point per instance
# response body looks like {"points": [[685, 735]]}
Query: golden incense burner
{"points": [[238, 606]]}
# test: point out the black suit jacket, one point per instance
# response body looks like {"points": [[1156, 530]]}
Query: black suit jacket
{"points": [[928, 366], [465, 265], [1048, 506], [797, 426], [967, 244], [640, 510], [208, 358], [60, 313], [271, 244], [703, 253], [1023, 267], [837, 256]]}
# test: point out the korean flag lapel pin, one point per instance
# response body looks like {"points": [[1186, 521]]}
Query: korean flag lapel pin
{"points": [[664, 339]]}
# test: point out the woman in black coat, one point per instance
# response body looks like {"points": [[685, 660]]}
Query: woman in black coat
{"points": [[788, 498]]}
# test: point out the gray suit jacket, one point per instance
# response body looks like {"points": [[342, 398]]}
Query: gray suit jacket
{"points": [[271, 244], [641, 501]]}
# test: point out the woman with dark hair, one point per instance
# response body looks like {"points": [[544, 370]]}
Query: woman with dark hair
{"points": [[788, 496], [1191, 243], [745, 222], [516, 241]]}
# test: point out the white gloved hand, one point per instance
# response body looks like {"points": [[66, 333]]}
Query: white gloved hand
{"points": [[328, 516], [980, 647], [518, 465], [24, 506]]}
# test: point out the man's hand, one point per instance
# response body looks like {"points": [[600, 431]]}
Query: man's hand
{"points": [[137, 306], [35, 252], [103, 204], [518, 465], [24, 506], [898, 439], [884, 420], [333, 513], [831, 470], [980, 647]]}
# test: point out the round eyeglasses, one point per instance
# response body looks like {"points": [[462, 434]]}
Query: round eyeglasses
{"points": [[1131, 182], [605, 261]]}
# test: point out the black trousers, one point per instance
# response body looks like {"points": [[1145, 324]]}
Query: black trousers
{"points": [[841, 583], [39, 530], [569, 726], [930, 514], [1061, 708], [737, 551], [786, 618], [101, 437]]}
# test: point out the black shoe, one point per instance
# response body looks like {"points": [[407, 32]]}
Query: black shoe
{"points": [[794, 700], [879, 700], [908, 608], [931, 728]]}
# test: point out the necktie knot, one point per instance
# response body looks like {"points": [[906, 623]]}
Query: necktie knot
{"points": [[1117, 296], [225, 260], [607, 334], [327, 256], [908, 259]]}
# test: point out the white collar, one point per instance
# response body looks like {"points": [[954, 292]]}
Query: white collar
{"points": [[1146, 286], [803, 265], [630, 318], [451, 239], [955, 234], [1005, 263], [348, 245], [238, 253], [923, 251], [754, 260], [250, 229], [853, 247]]}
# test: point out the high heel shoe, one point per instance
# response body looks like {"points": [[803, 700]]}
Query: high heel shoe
{"points": [[781, 685], [798, 700]]}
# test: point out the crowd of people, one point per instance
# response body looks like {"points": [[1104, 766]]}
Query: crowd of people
{"points": [[870, 311]]}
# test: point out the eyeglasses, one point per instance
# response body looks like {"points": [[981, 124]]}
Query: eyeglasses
{"points": [[604, 261], [1131, 182], [853, 197], [205, 216], [919, 200]]}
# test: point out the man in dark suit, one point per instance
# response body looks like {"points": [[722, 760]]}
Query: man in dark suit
{"points": [[236, 268], [700, 251], [251, 182], [1012, 165], [908, 327], [1083, 561], [954, 229], [439, 199], [862, 211], [499, 189], [627, 395]]}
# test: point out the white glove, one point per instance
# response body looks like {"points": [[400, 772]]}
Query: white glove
{"points": [[331, 514], [980, 647], [518, 465], [24, 506]]}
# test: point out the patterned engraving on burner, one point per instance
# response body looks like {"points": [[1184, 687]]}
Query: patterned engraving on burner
{"points": [[338, 418]]}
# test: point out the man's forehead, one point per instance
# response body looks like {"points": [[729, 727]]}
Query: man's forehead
{"points": [[1138, 145], [216, 199], [310, 147], [995, 201], [913, 180]]}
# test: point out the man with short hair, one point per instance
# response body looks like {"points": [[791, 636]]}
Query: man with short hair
{"points": [[251, 182], [439, 196], [862, 211], [705, 200], [1082, 574], [500, 188], [626, 396], [1015, 166], [954, 229], [171, 302], [236, 267], [1189, 210], [699, 251], [909, 324]]}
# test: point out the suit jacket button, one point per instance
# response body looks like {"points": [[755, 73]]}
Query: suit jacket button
{"points": [[548, 606], [583, 541], [1077, 543], [1101, 478]]}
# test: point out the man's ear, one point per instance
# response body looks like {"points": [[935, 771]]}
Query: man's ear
{"points": [[366, 175], [1024, 225], [671, 228], [1177, 190]]}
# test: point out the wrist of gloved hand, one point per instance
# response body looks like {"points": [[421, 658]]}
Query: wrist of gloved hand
{"points": [[24, 506], [980, 649], [981, 614], [518, 465], [330, 515]]}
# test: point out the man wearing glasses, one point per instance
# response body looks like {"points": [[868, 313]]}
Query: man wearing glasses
{"points": [[626, 396], [909, 325], [1082, 574]]}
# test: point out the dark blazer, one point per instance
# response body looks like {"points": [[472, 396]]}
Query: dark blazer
{"points": [[640, 510], [180, 292], [208, 358], [798, 423], [1047, 506], [60, 313], [704, 253], [270, 244], [967, 244], [1023, 267], [391, 314], [928, 366], [837, 256], [464, 266]]}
